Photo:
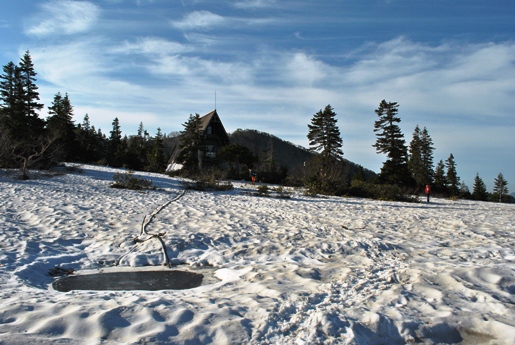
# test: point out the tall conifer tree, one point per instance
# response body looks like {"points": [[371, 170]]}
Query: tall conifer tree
{"points": [[192, 144], [420, 161], [390, 141], [137, 150], [89, 146], [452, 179], [324, 135], [30, 95], [156, 157], [19, 96], [500, 187], [11, 94], [60, 123], [415, 163], [426, 151], [115, 148], [325, 169], [479, 191], [440, 181]]}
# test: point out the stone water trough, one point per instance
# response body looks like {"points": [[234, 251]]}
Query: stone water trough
{"points": [[150, 280]]}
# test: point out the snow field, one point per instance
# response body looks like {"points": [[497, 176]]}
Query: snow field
{"points": [[284, 271]]}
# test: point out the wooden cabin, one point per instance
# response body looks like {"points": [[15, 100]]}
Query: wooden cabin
{"points": [[215, 134], [215, 138]]}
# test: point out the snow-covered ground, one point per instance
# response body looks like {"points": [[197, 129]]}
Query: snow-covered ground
{"points": [[278, 271]]}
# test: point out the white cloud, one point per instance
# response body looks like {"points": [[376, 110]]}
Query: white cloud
{"points": [[68, 65], [199, 20], [202, 71], [306, 70], [461, 92], [102, 117], [171, 59], [390, 60], [151, 46], [63, 17], [86, 74], [205, 20], [465, 80], [251, 4]]}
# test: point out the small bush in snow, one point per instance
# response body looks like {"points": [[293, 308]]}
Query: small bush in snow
{"points": [[263, 190], [210, 180], [127, 180], [282, 193], [379, 191]]}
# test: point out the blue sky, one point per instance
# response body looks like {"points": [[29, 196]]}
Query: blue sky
{"points": [[273, 64]]}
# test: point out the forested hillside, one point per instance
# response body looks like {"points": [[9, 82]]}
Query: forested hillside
{"points": [[263, 144], [285, 153]]}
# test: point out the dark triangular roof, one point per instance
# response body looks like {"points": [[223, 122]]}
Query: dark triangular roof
{"points": [[206, 119], [213, 117]]}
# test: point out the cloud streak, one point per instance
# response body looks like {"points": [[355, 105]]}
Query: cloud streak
{"points": [[253, 4], [199, 20], [64, 17]]}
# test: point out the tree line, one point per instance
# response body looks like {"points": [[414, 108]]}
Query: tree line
{"points": [[26, 141], [406, 170]]}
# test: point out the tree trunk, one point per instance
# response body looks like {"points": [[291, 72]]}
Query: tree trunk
{"points": [[199, 156], [24, 170]]}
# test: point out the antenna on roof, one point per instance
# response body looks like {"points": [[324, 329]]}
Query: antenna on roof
{"points": [[215, 99]]}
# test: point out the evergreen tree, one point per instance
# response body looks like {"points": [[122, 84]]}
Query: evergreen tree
{"points": [[390, 141], [86, 124], [267, 168], [426, 152], [479, 191], [19, 96], [415, 163], [360, 175], [11, 107], [122, 151], [138, 149], [324, 135], [237, 157], [30, 95], [102, 144], [115, 148], [324, 138], [440, 181], [10, 112], [87, 143], [60, 122], [464, 192], [268, 162], [156, 158], [24, 139], [192, 144], [500, 187], [452, 179]]}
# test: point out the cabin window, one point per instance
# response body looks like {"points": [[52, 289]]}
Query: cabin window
{"points": [[210, 151], [209, 130]]}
